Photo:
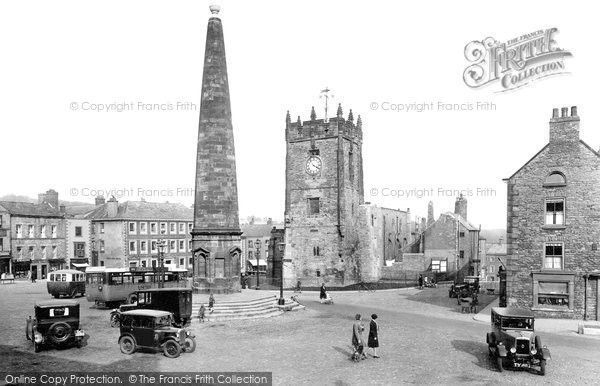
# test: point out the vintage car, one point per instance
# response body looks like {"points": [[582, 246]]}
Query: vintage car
{"points": [[56, 323], [177, 301], [473, 283], [66, 282], [513, 341], [153, 329], [468, 287]]}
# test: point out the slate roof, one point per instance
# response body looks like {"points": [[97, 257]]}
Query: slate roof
{"points": [[31, 210], [258, 230], [463, 222], [143, 210]]}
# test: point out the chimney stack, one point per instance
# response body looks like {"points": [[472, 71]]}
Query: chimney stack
{"points": [[100, 200], [112, 207], [564, 129], [460, 206]]}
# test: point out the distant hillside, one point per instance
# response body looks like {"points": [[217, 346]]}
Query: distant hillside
{"points": [[493, 235], [17, 198]]}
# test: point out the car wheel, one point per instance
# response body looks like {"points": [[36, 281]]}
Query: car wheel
{"points": [[127, 345], [189, 345], [543, 367], [56, 296], [499, 363], [132, 298], [171, 349], [59, 332]]}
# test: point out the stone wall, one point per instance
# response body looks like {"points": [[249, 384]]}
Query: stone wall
{"points": [[528, 233]]}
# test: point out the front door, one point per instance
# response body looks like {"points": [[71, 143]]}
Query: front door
{"points": [[143, 331]]}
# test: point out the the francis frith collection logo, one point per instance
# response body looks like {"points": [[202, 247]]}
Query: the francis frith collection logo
{"points": [[515, 63]]}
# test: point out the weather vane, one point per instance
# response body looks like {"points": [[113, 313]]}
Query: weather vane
{"points": [[325, 94]]}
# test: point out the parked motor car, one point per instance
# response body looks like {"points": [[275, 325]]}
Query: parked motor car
{"points": [[56, 323], [152, 329], [473, 283], [456, 289], [177, 301], [513, 341]]}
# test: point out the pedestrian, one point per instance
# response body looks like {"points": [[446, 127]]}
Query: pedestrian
{"points": [[357, 339], [32, 277], [201, 313], [211, 302], [373, 342], [420, 281], [323, 294]]}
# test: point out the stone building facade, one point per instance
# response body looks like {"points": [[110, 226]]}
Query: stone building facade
{"points": [[78, 242], [324, 191], [452, 243], [34, 235], [129, 234], [553, 226]]}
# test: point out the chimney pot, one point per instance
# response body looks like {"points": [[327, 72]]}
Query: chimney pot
{"points": [[554, 113], [564, 112], [573, 111]]}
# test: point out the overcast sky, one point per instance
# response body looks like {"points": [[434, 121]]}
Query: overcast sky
{"points": [[61, 58]]}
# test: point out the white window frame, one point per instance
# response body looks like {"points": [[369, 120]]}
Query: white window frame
{"points": [[132, 227], [19, 230], [190, 227], [43, 231], [562, 257], [163, 228], [44, 255], [145, 244], [153, 246], [155, 228], [172, 228], [101, 227], [181, 245], [54, 230], [172, 246], [143, 228], [30, 231], [557, 220], [133, 243], [181, 228]]}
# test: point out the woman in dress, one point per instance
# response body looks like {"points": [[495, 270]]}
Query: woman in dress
{"points": [[374, 335], [357, 339], [323, 294]]}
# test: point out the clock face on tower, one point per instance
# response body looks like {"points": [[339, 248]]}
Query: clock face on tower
{"points": [[313, 165]]}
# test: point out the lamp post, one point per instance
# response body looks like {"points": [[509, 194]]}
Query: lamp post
{"points": [[257, 244], [281, 301], [160, 244]]}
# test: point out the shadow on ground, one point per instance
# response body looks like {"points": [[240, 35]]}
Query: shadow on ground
{"points": [[479, 351]]}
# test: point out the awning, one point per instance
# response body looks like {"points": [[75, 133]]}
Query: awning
{"points": [[80, 265], [253, 262]]}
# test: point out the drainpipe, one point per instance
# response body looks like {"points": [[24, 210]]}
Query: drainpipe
{"points": [[585, 278]]}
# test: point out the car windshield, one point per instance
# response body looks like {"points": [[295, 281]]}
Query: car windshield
{"points": [[518, 323], [163, 321]]}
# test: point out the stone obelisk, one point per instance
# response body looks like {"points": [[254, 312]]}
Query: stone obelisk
{"points": [[216, 233]]}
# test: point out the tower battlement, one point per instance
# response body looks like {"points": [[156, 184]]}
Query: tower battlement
{"points": [[322, 128]]}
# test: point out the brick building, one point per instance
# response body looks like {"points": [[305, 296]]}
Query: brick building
{"points": [[553, 226], [127, 234], [33, 235]]}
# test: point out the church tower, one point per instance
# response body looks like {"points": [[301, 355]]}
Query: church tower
{"points": [[216, 233], [324, 189]]}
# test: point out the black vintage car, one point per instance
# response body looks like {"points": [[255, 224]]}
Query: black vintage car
{"points": [[467, 288], [513, 341], [177, 301], [154, 330], [56, 324]]}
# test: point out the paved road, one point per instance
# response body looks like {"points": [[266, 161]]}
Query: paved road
{"points": [[421, 343]]}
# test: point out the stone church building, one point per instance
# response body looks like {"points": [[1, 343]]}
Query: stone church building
{"points": [[331, 235], [553, 226]]}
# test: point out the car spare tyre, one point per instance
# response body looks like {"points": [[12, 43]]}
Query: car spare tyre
{"points": [[59, 332]]}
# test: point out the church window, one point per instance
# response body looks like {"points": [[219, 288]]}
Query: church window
{"points": [[313, 206], [350, 166], [316, 251]]}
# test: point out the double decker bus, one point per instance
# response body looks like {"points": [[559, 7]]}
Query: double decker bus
{"points": [[110, 286]]}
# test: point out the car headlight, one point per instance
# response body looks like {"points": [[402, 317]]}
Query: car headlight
{"points": [[533, 351], [177, 334], [187, 333], [513, 350], [38, 337]]}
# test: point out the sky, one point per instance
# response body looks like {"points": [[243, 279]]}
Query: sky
{"points": [[63, 61]]}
